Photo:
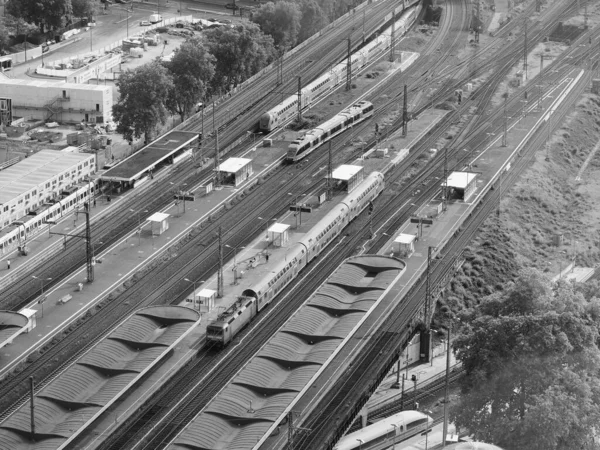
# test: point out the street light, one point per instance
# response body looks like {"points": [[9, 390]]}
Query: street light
{"points": [[42, 299], [193, 293], [234, 262], [139, 231], [427, 429]]}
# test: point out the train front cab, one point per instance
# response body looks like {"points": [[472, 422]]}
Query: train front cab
{"points": [[218, 333]]}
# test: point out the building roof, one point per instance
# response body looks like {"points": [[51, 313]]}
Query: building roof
{"points": [[85, 389], [345, 172], [233, 165], [158, 217], [11, 323], [279, 228], [460, 180], [405, 238], [206, 293], [55, 84], [31, 172], [135, 166], [279, 373]]}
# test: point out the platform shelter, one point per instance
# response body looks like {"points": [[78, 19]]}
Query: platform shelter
{"points": [[159, 223], [204, 300], [347, 177], [234, 171], [404, 245], [278, 234], [11, 325], [461, 185]]}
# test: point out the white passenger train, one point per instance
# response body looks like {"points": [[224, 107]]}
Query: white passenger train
{"points": [[314, 138], [289, 107], [18, 232], [258, 295], [396, 428]]}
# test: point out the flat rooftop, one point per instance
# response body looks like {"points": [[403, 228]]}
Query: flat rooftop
{"points": [[345, 172], [148, 157], [460, 180], [54, 84], [233, 165], [35, 170]]}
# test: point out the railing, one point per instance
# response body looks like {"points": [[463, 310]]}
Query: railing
{"points": [[9, 163]]}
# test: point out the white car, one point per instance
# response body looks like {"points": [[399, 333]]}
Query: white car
{"points": [[144, 23]]}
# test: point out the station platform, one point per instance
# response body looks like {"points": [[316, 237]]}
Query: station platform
{"points": [[11, 325], [70, 403], [146, 160]]}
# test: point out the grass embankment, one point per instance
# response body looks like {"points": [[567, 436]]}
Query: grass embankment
{"points": [[548, 200]]}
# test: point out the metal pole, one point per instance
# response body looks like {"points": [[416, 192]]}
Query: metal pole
{"points": [[31, 386], [88, 238], [405, 112], [299, 100], [349, 66], [402, 395], [220, 272], [445, 430]]}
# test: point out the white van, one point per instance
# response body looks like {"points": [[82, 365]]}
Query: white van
{"points": [[155, 18]]}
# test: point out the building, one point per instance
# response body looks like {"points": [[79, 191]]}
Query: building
{"points": [[460, 185], [40, 179], [57, 101]]}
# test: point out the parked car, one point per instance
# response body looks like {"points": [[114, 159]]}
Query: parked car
{"points": [[144, 23], [232, 6]]}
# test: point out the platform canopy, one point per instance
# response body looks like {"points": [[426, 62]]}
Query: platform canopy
{"points": [[158, 217], [345, 172], [405, 238], [461, 185], [278, 234], [460, 180], [348, 176], [235, 171], [233, 165]]}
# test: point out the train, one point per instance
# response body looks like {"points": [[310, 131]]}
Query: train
{"points": [[393, 429], [314, 138], [259, 295], [18, 232], [288, 108]]}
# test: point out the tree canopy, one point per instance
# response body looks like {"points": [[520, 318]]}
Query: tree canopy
{"points": [[313, 19], [280, 20], [192, 69], [240, 52], [84, 8], [532, 367], [46, 14], [142, 105]]}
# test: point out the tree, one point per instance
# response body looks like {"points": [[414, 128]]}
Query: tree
{"points": [[192, 69], [46, 14], [142, 105], [280, 20], [531, 359], [313, 19], [239, 53], [84, 8]]}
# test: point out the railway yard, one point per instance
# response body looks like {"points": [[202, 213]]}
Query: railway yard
{"points": [[264, 307]]}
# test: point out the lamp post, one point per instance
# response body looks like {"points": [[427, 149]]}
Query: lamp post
{"points": [[193, 293], [139, 230], [235, 281], [91, 23], [427, 429], [42, 298]]}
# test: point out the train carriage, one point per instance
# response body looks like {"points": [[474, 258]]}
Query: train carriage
{"points": [[259, 295], [398, 428], [312, 139]]}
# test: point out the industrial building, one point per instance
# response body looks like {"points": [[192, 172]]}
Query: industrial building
{"points": [[40, 179], [52, 101]]}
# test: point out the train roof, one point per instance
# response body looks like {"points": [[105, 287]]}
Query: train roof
{"points": [[292, 358], [383, 426]]}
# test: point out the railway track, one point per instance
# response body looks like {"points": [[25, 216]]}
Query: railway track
{"points": [[355, 388], [182, 275], [59, 264]]}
